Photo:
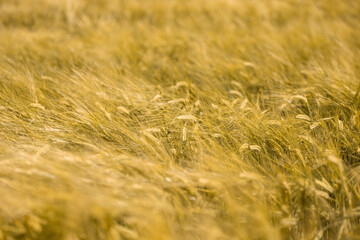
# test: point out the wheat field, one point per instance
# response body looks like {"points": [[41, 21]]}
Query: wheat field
{"points": [[179, 119]]}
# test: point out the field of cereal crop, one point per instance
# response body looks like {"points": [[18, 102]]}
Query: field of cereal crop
{"points": [[179, 119]]}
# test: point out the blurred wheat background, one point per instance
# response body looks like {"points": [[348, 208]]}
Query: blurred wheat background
{"points": [[179, 119]]}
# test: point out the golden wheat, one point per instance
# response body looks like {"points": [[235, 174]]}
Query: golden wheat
{"points": [[179, 119]]}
